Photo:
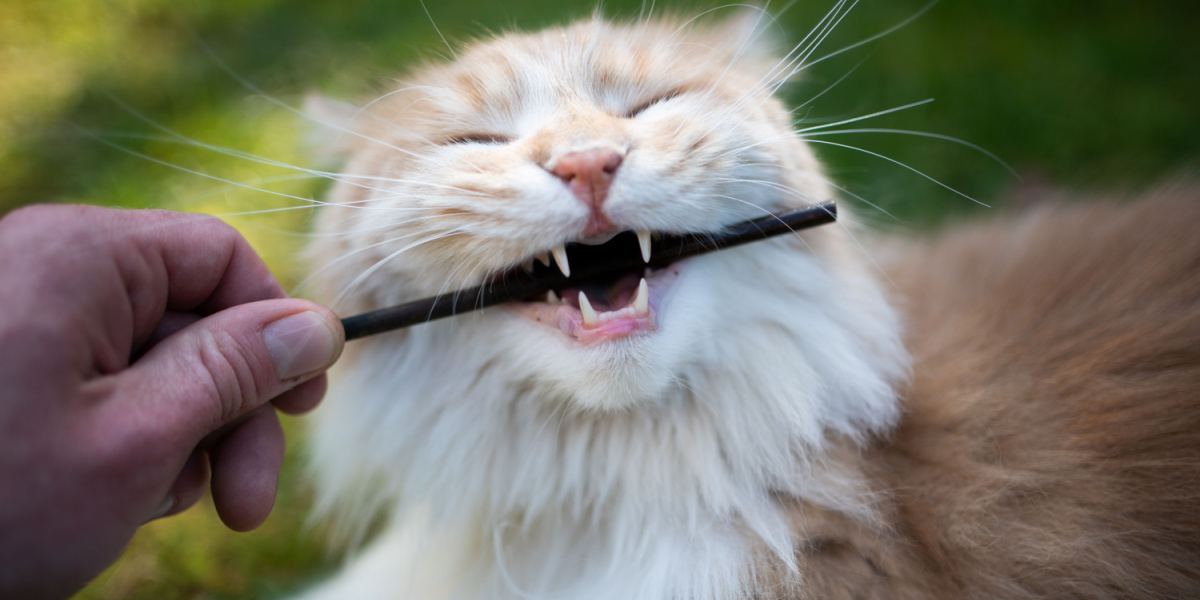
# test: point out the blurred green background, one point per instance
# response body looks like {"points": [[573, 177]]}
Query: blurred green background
{"points": [[1089, 95]]}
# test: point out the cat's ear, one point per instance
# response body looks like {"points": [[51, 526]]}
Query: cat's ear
{"points": [[752, 33], [333, 132]]}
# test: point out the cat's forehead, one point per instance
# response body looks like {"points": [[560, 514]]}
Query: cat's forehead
{"points": [[591, 62]]}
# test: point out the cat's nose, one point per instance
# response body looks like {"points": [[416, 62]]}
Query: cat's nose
{"points": [[589, 174]]}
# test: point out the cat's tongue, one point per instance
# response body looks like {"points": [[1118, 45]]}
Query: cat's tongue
{"points": [[599, 313]]}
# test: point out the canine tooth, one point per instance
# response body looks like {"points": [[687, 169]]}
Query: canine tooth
{"points": [[560, 257], [644, 242], [585, 307], [641, 302]]}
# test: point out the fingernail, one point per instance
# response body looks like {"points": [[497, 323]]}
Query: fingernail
{"points": [[300, 344]]}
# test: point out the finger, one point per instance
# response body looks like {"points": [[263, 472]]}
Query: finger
{"points": [[224, 366], [246, 470], [303, 397], [189, 486], [184, 263]]}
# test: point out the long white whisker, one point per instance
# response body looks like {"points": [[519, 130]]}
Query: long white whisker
{"points": [[383, 261], [881, 113], [893, 29], [903, 165], [924, 134], [284, 105]]}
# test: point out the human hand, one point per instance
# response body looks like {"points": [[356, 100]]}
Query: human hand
{"points": [[138, 351]]}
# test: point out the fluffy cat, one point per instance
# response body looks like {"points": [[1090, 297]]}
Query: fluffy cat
{"points": [[742, 424]]}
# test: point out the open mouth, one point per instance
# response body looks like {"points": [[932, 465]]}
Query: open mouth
{"points": [[593, 310]]}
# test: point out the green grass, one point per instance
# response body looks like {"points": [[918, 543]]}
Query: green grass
{"points": [[1093, 95]]}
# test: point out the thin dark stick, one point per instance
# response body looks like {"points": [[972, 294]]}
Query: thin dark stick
{"points": [[519, 285]]}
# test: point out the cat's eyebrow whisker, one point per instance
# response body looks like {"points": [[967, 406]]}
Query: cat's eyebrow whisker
{"points": [[824, 29], [802, 50], [762, 84], [893, 29], [828, 88], [438, 30], [903, 165], [799, 47]]}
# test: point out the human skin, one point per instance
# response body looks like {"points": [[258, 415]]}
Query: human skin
{"points": [[142, 354]]}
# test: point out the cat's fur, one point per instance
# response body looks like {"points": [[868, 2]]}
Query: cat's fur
{"points": [[766, 441]]}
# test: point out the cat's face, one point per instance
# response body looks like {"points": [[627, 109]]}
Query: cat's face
{"points": [[528, 143]]}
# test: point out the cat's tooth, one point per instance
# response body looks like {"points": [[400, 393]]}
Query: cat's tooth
{"points": [[528, 265], [641, 302], [585, 307], [551, 297], [644, 242], [543, 258], [560, 258]]}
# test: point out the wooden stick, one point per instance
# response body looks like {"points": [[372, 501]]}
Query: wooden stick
{"points": [[614, 259]]}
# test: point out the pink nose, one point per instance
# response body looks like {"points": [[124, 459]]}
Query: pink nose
{"points": [[589, 174]]}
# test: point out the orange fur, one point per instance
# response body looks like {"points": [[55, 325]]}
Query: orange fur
{"points": [[1050, 446]]}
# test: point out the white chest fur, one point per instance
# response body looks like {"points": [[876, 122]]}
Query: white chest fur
{"points": [[497, 488]]}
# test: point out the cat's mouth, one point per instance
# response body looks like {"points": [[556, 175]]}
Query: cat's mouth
{"points": [[597, 310]]}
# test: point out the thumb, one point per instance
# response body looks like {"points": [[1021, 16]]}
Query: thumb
{"points": [[224, 366]]}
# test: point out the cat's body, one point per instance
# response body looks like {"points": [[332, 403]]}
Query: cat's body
{"points": [[751, 430], [1050, 443]]}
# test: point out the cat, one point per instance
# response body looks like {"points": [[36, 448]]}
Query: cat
{"points": [[1011, 410]]}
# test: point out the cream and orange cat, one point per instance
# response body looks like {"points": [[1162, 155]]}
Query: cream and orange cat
{"points": [[749, 423]]}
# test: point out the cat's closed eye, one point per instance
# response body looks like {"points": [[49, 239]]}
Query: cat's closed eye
{"points": [[652, 101], [477, 138]]}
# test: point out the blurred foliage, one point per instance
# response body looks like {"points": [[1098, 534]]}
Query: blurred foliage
{"points": [[1086, 94]]}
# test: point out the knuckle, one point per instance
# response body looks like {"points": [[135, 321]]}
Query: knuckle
{"points": [[230, 374]]}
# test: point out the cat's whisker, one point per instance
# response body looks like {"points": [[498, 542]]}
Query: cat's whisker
{"points": [[828, 89], [438, 30], [791, 190], [786, 59], [174, 137], [803, 60], [99, 138], [828, 22], [347, 255], [893, 29], [379, 264], [805, 48], [865, 117], [288, 107], [924, 134], [903, 165]]}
